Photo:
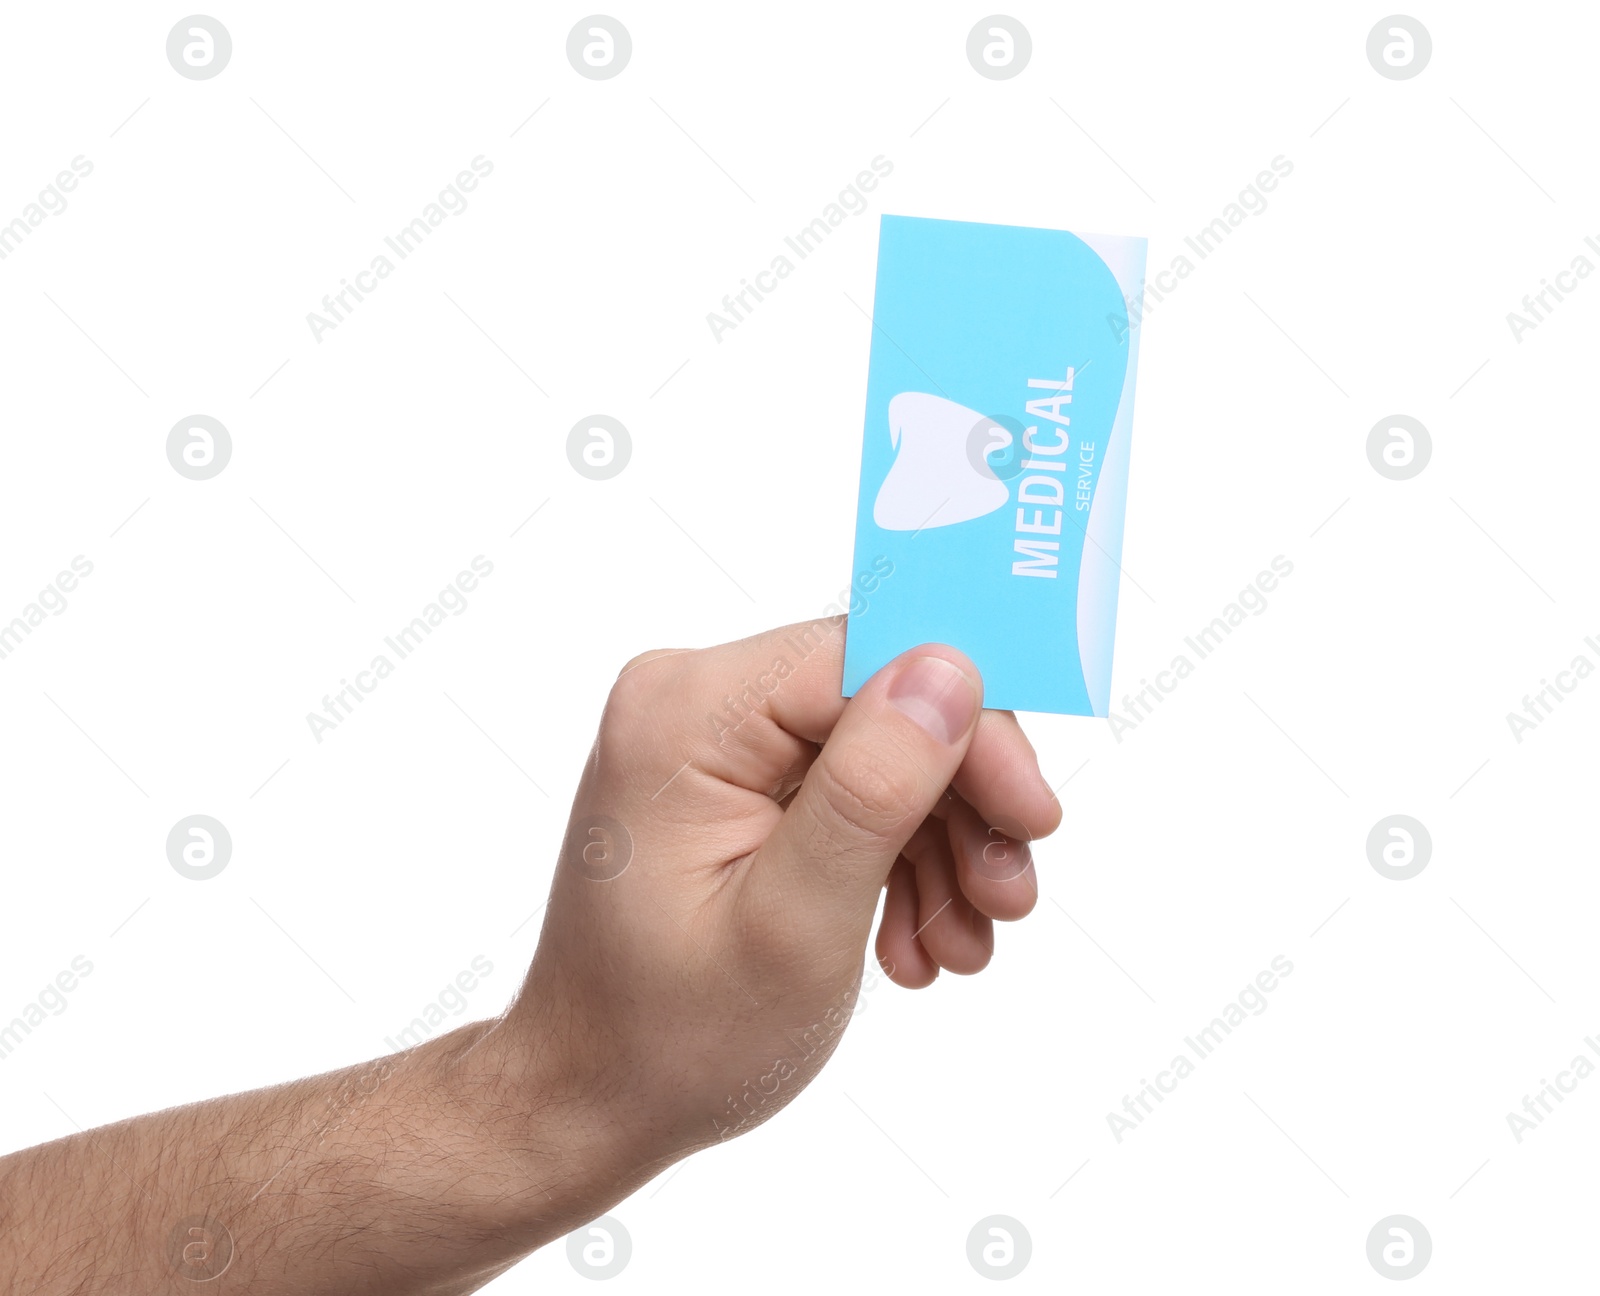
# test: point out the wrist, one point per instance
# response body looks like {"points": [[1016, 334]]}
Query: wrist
{"points": [[564, 1153]]}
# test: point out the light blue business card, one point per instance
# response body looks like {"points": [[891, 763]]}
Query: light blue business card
{"points": [[994, 469]]}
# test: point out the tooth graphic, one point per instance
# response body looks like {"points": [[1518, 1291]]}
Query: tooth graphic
{"points": [[939, 476]]}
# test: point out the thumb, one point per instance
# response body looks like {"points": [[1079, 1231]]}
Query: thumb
{"points": [[885, 766]]}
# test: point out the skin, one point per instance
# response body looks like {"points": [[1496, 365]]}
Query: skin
{"points": [[703, 947]]}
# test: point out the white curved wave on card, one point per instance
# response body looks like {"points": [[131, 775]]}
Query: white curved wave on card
{"points": [[1099, 572]]}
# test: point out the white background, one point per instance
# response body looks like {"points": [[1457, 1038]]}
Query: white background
{"points": [[369, 869]]}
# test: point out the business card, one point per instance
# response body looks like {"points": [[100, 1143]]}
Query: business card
{"points": [[994, 463]]}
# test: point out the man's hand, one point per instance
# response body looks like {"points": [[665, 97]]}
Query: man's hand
{"points": [[701, 955], [734, 828]]}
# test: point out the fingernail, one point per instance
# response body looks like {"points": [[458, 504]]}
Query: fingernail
{"points": [[936, 695]]}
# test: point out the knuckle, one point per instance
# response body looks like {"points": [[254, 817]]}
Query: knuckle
{"points": [[630, 722], [639, 661], [866, 792], [641, 680]]}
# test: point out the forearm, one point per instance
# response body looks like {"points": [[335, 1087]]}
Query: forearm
{"points": [[429, 1171], [701, 953]]}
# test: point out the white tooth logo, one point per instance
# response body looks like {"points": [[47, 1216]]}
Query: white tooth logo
{"points": [[939, 477]]}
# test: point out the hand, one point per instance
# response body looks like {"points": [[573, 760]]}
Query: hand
{"points": [[737, 819], [700, 958]]}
